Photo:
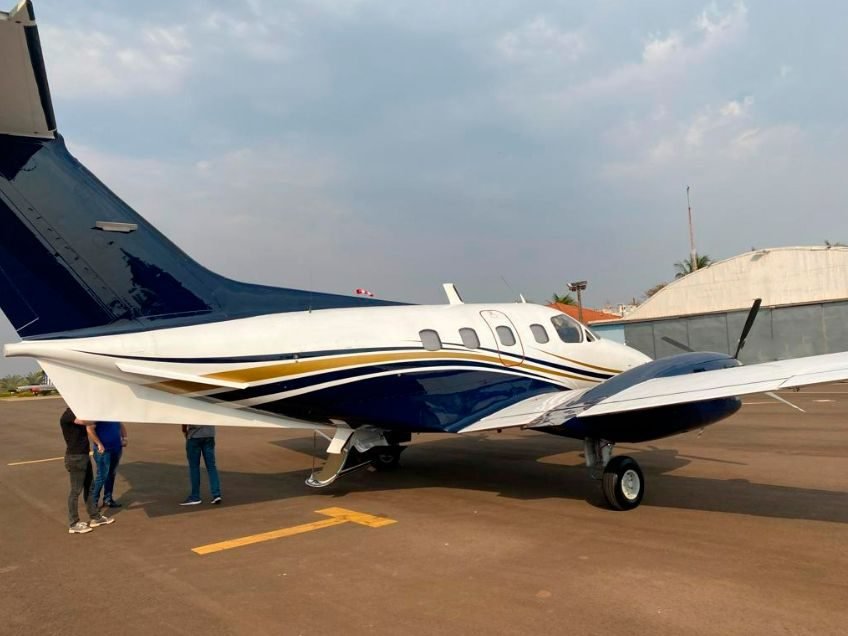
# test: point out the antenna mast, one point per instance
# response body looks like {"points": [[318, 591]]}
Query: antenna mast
{"points": [[693, 254]]}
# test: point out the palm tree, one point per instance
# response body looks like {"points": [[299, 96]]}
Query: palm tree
{"points": [[685, 267], [566, 299], [653, 290], [11, 382], [36, 377]]}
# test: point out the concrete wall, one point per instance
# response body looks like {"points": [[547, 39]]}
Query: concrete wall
{"points": [[778, 333]]}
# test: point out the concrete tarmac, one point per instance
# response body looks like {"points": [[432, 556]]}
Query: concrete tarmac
{"points": [[743, 530]]}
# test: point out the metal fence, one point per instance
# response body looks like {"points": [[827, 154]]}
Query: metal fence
{"points": [[778, 333]]}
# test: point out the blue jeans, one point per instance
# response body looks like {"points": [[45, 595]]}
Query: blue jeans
{"points": [[195, 447], [107, 466]]}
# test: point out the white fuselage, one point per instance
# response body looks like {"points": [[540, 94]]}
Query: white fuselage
{"points": [[264, 369]]}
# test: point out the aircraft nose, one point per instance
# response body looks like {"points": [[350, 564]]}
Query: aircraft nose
{"points": [[630, 357]]}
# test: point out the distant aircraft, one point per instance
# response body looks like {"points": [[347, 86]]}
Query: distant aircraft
{"points": [[130, 328], [37, 389]]}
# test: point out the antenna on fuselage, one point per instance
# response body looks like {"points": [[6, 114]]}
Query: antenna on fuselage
{"points": [[452, 293], [509, 287]]}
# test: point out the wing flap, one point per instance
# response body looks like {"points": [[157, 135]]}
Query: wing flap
{"points": [[549, 409]]}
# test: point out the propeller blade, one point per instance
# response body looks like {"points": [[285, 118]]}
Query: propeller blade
{"points": [[677, 344], [752, 315]]}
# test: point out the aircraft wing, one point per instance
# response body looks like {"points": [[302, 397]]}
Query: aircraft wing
{"points": [[754, 378], [557, 408], [548, 409]]}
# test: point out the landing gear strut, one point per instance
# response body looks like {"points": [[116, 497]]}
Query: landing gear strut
{"points": [[622, 481], [351, 449]]}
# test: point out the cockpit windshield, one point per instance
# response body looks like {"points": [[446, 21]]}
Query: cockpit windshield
{"points": [[567, 329]]}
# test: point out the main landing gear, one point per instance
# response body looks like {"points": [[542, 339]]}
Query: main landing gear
{"points": [[622, 481], [352, 449]]}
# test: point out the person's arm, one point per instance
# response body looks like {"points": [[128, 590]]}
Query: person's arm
{"points": [[123, 434], [185, 431], [92, 435]]}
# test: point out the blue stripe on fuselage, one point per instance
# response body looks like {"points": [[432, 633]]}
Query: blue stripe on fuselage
{"points": [[435, 401]]}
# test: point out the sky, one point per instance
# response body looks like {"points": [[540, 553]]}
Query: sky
{"points": [[507, 146]]}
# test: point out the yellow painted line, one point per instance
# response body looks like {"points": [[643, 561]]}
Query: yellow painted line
{"points": [[337, 516], [36, 461]]}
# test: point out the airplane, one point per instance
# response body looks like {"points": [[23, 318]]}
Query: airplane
{"points": [[130, 328], [37, 389]]}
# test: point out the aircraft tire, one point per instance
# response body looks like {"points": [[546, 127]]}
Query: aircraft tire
{"points": [[623, 483], [386, 457]]}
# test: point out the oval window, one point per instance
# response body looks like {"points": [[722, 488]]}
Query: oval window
{"points": [[469, 338], [506, 336], [430, 339], [539, 333]]}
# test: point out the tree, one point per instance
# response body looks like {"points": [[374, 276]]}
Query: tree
{"points": [[36, 377], [685, 267], [653, 290], [11, 382], [566, 299], [837, 244]]}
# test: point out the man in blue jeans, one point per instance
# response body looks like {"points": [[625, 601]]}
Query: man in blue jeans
{"points": [[200, 440], [78, 466], [107, 440]]}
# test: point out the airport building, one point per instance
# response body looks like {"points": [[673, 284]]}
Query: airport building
{"points": [[804, 310]]}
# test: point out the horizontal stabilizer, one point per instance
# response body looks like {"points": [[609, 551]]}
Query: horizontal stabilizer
{"points": [[96, 397], [167, 374]]}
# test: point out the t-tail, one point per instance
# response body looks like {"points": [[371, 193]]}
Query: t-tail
{"points": [[74, 258]]}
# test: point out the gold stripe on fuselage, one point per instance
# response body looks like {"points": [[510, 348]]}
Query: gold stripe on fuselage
{"points": [[586, 364], [287, 369], [298, 367]]}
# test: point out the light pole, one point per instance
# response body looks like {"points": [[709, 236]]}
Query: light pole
{"points": [[578, 287]]}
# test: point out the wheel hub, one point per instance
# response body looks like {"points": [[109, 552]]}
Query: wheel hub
{"points": [[630, 484]]}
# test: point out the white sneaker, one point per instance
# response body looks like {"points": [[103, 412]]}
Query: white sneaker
{"points": [[80, 527], [100, 520]]}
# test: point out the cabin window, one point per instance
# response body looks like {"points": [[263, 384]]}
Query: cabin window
{"points": [[539, 333], [469, 338], [506, 336], [430, 339], [567, 329]]}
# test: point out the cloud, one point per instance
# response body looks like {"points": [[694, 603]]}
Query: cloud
{"points": [[714, 132], [90, 64], [711, 119], [540, 42], [665, 58], [659, 51], [262, 34]]}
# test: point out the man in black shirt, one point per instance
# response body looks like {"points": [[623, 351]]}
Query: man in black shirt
{"points": [[78, 465]]}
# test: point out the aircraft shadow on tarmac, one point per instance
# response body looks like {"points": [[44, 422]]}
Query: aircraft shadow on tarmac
{"points": [[511, 467]]}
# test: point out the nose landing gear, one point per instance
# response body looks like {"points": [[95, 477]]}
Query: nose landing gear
{"points": [[622, 481]]}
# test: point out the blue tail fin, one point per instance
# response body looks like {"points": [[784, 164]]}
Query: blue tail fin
{"points": [[73, 256]]}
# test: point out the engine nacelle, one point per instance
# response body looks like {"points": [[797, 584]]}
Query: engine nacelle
{"points": [[654, 423]]}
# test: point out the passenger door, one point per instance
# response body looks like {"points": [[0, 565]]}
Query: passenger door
{"points": [[510, 350]]}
